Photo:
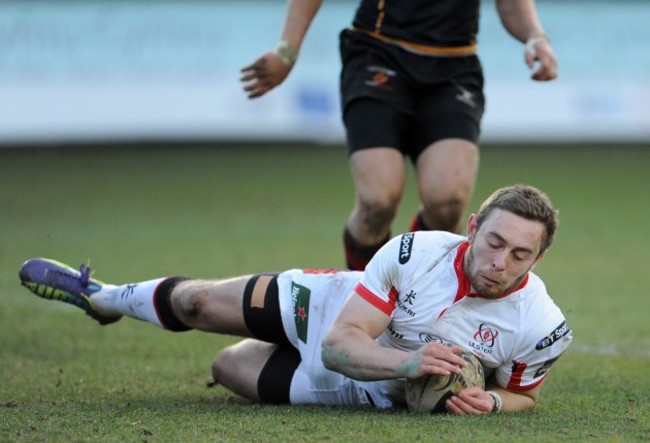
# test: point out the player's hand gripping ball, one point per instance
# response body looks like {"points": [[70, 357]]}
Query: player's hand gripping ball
{"points": [[430, 392]]}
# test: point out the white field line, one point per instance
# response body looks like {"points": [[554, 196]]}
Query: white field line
{"points": [[611, 350]]}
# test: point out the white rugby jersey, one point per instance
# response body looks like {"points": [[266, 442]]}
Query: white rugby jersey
{"points": [[418, 280]]}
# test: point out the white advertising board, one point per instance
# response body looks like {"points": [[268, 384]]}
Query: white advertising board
{"points": [[89, 71]]}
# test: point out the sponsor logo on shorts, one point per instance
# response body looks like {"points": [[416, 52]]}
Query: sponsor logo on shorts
{"points": [[545, 367], [380, 77], [559, 332], [300, 296], [466, 96], [406, 245]]}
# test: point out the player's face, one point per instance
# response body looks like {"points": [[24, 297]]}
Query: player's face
{"points": [[501, 252]]}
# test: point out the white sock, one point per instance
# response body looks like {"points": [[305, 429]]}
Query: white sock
{"points": [[134, 300]]}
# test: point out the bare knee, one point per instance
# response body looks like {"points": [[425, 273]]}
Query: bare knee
{"points": [[211, 305], [188, 301], [221, 363], [444, 215], [446, 174], [238, 367], [377, 212], [229, 371]]}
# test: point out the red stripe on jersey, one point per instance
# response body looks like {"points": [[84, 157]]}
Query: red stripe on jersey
{"points": [[528, 387], [464, 288], [514, 384], [385, 307]]}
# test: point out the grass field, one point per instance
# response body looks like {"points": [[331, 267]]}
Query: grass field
{"points": [[215, 212]]}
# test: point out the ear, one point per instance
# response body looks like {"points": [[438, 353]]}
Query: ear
{"points": [[471, 226], [537, 260]]}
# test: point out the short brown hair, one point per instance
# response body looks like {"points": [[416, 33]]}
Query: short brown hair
{"points": [[527, 202]]}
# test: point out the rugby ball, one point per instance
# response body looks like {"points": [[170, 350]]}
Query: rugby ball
{"points": [[430, 392]]}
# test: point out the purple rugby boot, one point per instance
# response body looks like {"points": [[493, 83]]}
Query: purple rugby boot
{"points": [[53, 280]]}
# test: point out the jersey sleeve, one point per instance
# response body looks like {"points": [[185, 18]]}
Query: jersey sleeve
{"points": [[381, 277], [401, 262], [536, 355]]}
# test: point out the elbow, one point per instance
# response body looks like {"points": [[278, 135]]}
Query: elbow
{"points": [[333, 354], [326, 357], [521, 403], [329, 355], [531, 404]]}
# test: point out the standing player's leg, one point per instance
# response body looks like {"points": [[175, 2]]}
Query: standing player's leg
{"points": [[376, 99], [379, 175], [446, 174], [446, 152]]}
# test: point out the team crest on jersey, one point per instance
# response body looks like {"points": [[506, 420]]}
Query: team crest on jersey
{"points": [[405, 247], [559, 332], [484, 339], [300, 296]]}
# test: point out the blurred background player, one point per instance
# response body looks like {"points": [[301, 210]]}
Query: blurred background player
{"points": [[411, 86]]}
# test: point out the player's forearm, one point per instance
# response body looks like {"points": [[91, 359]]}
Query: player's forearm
{"points": [[515, 401], [357, 356], [300, 14], [520, 19]]}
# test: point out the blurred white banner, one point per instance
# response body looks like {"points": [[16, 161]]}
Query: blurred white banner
{"points": [[89, 71]]}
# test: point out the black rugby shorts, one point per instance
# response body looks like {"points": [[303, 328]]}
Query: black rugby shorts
{"points": [[263, 318], [395, 98]]}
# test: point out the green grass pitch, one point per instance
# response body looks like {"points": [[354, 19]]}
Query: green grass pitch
{"points": [[216, 211]]}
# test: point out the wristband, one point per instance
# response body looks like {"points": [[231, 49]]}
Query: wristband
{"points": [[287, 53], [529, 47], [497, 403]]}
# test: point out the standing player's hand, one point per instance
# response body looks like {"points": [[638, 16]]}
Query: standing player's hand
{"points": [[472, 400], [264, 74], [539, 49]]}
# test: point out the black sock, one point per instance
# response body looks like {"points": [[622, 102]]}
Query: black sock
{"points": [[162, 302], [417, 223], [358, 255]]}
